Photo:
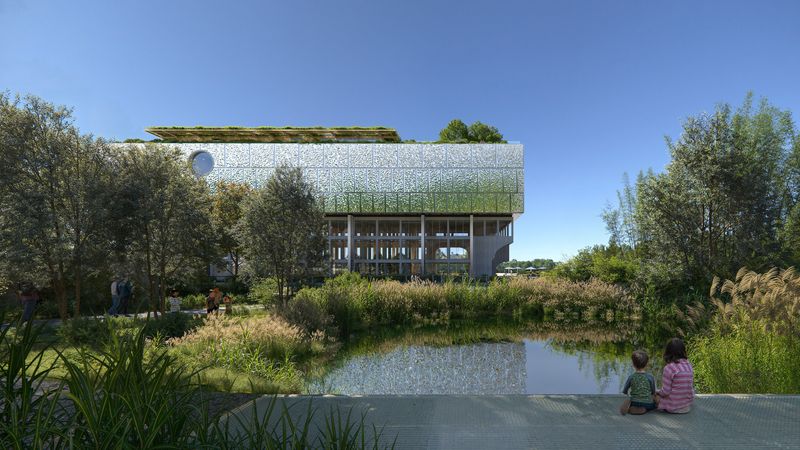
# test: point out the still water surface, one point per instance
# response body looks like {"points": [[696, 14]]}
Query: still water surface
{"points": [[527, 367]]}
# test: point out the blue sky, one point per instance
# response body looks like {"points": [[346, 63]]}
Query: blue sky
{"points": [[590, 88]]}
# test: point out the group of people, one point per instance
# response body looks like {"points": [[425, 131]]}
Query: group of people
{"points": [[215, 297], [677, 383], [121, 293], [213, 300]]}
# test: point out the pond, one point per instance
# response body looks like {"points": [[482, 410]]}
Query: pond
{"points": [[484, 359]]}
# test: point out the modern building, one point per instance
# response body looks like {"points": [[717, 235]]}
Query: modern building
{"points": [[393, 208]]}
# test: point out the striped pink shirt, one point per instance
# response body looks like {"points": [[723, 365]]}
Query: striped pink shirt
{"points": [[677, 387]]}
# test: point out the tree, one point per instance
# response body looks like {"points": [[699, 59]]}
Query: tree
{"points": [[226, 211], [621, 221], [52, 197], [480, 132], [282, 230], [163, 214], [455, 131], [723, 200]]}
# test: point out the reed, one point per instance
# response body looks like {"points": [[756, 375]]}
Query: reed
{"points": [[748, 340], [349, 303]]}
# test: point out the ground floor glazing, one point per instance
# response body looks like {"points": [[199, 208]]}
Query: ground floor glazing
{"points": [[417, 245]]}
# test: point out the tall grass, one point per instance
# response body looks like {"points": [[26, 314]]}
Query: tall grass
{"points": [[28, 405], [752, 342], [350, 302], [125, 399], [133, 396], [265, 346]]}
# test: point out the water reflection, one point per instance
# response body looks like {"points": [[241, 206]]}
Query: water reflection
{"points": [[551, 371], [531, 358], [489, 368]]}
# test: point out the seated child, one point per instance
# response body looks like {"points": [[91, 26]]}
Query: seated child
{"points": [[677, 382], [174, 302], [642, 387]]}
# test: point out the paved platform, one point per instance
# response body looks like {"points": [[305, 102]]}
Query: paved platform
{"points": [[561, 421]]}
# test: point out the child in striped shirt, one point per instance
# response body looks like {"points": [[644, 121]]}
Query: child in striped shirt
{"points": [[677, 383]]}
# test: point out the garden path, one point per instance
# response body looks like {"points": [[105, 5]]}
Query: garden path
{"points": [[560, 421]]}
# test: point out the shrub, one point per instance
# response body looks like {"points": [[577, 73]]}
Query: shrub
{"points": [[170, 325], [82, 331], [306, 311], [264, 292], [193, 301], [746, 359]]}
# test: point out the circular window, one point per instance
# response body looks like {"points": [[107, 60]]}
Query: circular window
{"points": [[202, 163]]}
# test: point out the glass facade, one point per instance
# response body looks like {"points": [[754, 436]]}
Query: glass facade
{"points": [[394, 208], [384, 178], [390, 246]]}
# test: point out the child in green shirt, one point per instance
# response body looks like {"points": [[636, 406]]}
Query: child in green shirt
{"points": [[642, 387]]}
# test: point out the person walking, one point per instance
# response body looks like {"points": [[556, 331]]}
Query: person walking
{"points": [[214, 299], [114, 310], [125, 291], [174, 302], [28, 296]]}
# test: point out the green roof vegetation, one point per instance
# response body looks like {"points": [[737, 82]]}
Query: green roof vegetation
{"points": [[268, 134]]}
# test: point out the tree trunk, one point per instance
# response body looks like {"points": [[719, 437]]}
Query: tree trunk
{"points": [[78, 276], [150, 283], [61, 297], [161, 290]]}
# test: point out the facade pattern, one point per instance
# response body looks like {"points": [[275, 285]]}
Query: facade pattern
{"points": [[394, 209], [385, 178]]}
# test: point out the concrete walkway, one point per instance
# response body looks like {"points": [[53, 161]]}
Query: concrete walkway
{"points": [[561, 421]]}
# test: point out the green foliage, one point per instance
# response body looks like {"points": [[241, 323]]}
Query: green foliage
{"points": [[169, 325], [751, 344], [480, 132], [282, 231], [84, 331], [264, 346], [133, 396], [265, 292], [349, 303], [28, 419], [455, 131], [458, 132], [545, 264], [747, 358], [279, 427], [226, 212], [162, 212], [722, 201], [56, 183], [609, 264], [306, 310], [158, 398], [193, 301]]}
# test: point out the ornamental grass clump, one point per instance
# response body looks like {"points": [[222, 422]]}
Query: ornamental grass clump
{"points": [[748, 341], [586, 300], [264, 346]]}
